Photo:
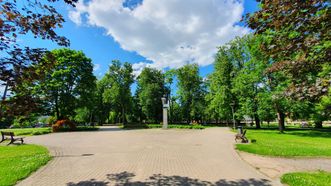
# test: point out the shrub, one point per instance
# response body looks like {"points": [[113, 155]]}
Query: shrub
{"points": [[51, 120], [60, 124], [23, 121]]}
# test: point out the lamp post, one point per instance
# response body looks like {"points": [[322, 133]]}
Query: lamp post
{"points": [[233, 120], [165, 105]]}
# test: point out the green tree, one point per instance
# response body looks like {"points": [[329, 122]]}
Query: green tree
{"points": [[322, 110], [151, 89], [191, 92], [101, 109], [297, 38], [249, 80], [70, 84], [118, 92], [220, 96], [18, 64], [83, 115], [169, 82]]}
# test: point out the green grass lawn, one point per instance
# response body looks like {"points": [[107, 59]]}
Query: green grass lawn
{"points": [[41, 131], [293, 143], [19, 161], [29, 131], [319, 178]]}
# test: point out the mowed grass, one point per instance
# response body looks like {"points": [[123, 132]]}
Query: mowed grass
{"points": [[29, 131], [319, 178], [292, 143], [19, 161]]}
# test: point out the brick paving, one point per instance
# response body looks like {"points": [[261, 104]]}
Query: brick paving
{"points": [[113, 156], [275, 167]]}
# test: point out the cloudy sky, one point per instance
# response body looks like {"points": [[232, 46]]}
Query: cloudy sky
{"points": [[158, 33]]}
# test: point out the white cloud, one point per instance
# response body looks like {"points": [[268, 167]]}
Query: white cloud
{"points": [[75, 17], [138, 68], [96, 67], [170, 33], [2, 90]]}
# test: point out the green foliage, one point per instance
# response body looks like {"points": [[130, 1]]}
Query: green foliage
{"points": [[18, 162], [220, 96], [319, 178], [70, 84], [191, 92], [299, 47], [29, 131], [292, 143], [82, 115], [150, 90], [79, 129], [19, 63], [51, 120], [22, 121], [239, 81], [116, 88]]}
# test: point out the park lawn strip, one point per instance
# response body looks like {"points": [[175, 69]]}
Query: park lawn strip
{"points": [[46, 130], [293, 143], [319, 178], [29, 131], [19, 161]]}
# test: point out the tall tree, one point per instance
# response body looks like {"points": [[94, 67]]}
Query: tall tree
{"points": [[18, 63], [118, 91], [70, 84], [169, 82], [220, 96], [191, 92], [151, 90], [102, 110], [250, 80], [297, 38]]}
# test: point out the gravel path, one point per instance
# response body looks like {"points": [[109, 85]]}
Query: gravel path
{"points": [[112, 156]]}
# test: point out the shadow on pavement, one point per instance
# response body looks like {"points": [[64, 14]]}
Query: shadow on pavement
{"points": [[125, 179], [113, 128]]}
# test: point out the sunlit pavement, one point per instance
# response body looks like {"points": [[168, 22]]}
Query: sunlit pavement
{"points": [[113, 156]]}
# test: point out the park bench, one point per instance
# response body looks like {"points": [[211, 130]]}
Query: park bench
{"points": [[242, 137], [11, 138]]}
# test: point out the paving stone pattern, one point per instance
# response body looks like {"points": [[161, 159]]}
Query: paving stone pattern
{"points": [[112, 156]]}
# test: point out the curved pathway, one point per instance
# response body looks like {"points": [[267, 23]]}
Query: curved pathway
{"points": [[112, 156], [275, 167]]}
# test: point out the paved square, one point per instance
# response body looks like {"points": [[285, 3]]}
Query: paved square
{"points": [[113, 156]]}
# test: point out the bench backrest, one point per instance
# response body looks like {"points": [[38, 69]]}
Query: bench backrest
{"points": [[244, 133], [7, 133]]}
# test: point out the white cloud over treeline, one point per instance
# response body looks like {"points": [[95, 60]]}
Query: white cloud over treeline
{"points": [[170, 33]]}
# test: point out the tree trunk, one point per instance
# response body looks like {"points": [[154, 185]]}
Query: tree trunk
{"points": [[57, 111], [257, 121], [5, 92], [318, 124], [281, 121], [123, 116]]}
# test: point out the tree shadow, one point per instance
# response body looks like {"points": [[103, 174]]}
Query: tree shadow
{"points": [[324, 133], [303, 132], [125, 179], [105, 129], [88, 183]]}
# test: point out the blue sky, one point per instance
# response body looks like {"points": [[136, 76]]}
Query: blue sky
{"points": [[96, 37]]}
